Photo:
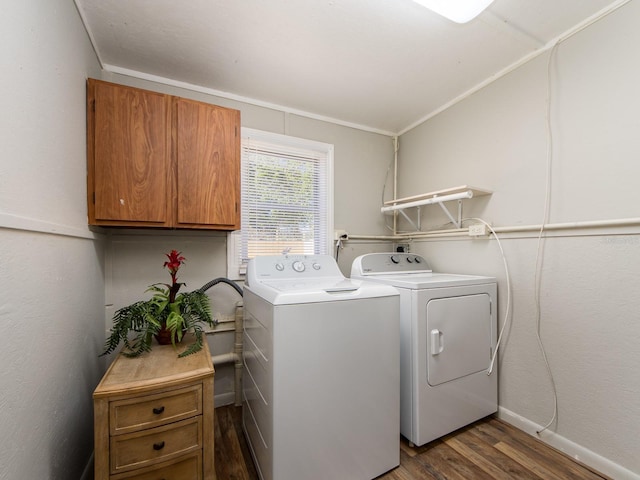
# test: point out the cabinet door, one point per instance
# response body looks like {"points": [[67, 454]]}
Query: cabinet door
{"points": [[128, 155], [207, 152]]}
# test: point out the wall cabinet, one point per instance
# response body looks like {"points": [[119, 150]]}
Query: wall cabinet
{"points": [[153, 417], [156, 160]]}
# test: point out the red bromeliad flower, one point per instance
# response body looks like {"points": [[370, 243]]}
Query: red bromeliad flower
{"points": [[175, 260]]}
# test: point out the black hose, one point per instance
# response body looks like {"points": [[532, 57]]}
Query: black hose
{"points": [[215, 281]]}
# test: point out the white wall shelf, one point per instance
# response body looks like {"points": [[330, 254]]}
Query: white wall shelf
{"points": [[439, 197]]}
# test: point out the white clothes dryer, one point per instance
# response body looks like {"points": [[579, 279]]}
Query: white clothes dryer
{"points": [[321, 383], [448, 332]]}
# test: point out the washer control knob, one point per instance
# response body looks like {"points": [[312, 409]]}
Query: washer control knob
{"points": [[395, 259], [279, 267], [416, 259], [298, 266], [316, 266]]}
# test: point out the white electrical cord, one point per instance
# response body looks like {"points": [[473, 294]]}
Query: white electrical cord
{"points": [[507, 311], [540, 246], [339, 246]]}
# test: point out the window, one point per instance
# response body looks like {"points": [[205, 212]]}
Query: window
{"points": [[287, 198]]}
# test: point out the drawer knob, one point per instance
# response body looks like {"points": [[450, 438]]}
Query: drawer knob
{"points": [[158, 446], [158, 411]]}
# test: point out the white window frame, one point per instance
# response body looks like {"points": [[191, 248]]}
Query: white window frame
{"points": [[235, 267]]}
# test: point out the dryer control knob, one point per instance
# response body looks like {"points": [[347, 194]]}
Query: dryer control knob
{"points": [[279, 267], [395, 259], [298, 266], [316, 266]]}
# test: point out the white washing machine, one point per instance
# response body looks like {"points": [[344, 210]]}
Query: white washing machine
{"points": [[321, 371], [448, 336]]}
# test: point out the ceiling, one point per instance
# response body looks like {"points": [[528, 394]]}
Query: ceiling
{"points": [[381, 65]]}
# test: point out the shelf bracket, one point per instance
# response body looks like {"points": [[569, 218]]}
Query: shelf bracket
{"points": [[457, 222], [417, 227]]}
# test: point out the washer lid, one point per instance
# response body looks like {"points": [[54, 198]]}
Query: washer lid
{"points": [[290, 292]]}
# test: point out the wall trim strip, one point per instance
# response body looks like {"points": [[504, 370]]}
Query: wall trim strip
{"points": [[16, 222]]}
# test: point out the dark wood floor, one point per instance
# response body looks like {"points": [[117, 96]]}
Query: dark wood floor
{"points": [[487, 449]]}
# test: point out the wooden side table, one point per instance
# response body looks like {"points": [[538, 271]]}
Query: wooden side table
{"points": [[153, 414]]}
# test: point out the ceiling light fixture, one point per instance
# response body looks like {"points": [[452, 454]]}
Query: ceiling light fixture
{"points": [[459, 11]]}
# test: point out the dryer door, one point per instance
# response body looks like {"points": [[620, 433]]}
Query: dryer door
{"points": [[458, 337]]}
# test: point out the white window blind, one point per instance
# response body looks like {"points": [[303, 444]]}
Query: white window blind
{"points": [[286, 196]]}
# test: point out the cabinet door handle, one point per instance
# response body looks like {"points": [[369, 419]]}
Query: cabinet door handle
{"points": [[158, 446], [158, 411]]}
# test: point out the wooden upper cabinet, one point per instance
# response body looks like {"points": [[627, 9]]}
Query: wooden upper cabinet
{"points": [[207, 153], [160, 161]]}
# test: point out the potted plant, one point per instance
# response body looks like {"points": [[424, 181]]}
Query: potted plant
{"points": [[167, 316]]}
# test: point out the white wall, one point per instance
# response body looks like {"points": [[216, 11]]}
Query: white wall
{"points": [[496, 139], [52, 283]]}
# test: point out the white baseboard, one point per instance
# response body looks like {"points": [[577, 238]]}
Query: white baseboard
{"points": [[227, 398], [578, 452]]}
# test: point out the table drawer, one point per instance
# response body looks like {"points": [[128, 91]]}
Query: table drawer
{"points": [[149, 411], [149, 447], [184, 468]]}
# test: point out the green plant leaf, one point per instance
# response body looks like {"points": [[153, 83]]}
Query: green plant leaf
{"points": [[135, 325]]}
